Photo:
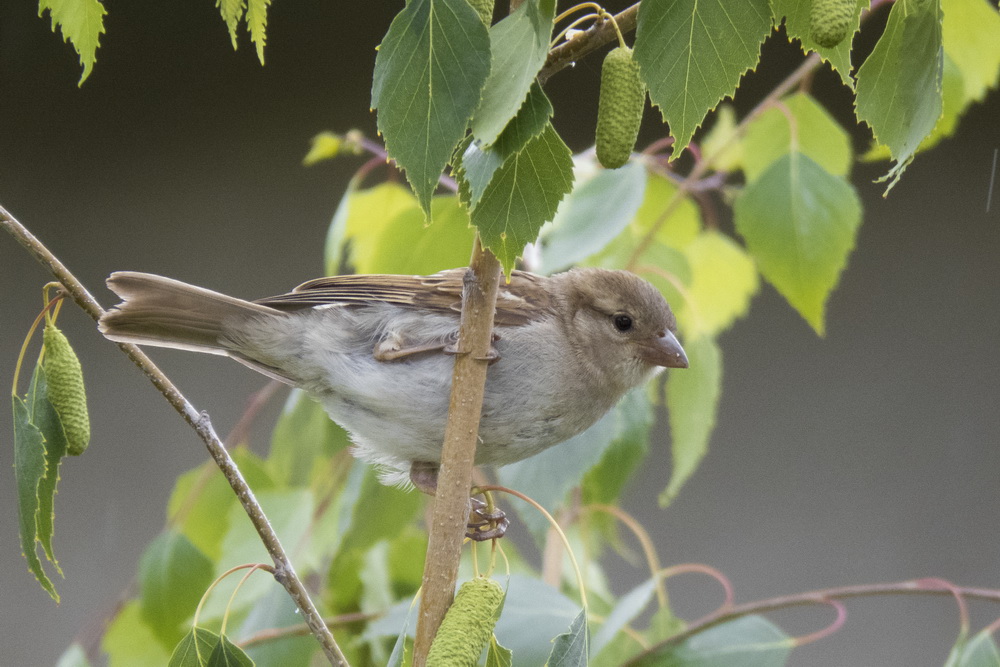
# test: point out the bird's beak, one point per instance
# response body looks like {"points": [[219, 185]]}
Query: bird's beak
{"points": [[665, 351]]}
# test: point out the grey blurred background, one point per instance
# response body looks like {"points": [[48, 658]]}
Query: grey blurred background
{"points": [[870, 455]]}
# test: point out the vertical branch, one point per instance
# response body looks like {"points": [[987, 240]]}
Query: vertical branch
{"points": [[199, 421], [451, 502]]}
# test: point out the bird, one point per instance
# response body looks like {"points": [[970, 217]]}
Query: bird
{"points": [[376, 351]]}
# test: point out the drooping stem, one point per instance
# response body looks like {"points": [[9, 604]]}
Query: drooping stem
{"points": [[451, 500], [200, 422], [823, 597]]}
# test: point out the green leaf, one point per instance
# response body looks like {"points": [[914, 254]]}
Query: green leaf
{"points": [[692, 53], [370, 512], [173, 575], [405, 571], [129, 641], [375, 512], [358, 223], [476, 165], [277, 610], [228, 654], [899, 85], [303, 434], [408, 245], [796, 14], [751, 641], [46, 418], [677, 221], [971, 38], [324, 146], [232, 14], [723, 280], [194, 649], [531, 119], [800, 224], [290, 513], [683, 220], [722, 144], [604, 482], [519, 45], [572, 648], [522, 195], [396, 658], [380, 512], [474, 168], [625, 611], [81, 22], [378, 592], [29, 469], [664, 624], [953, 103], [497, 655], [257, 24], [810, 130], [980, 651], [592, 215], [429, 72], [533, 613], [199, 504], [692, 403]]}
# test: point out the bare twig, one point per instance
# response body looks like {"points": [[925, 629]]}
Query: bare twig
{"points": [[301, 629], [451, 501], [200, 422], [824, 597], [591, 39]]}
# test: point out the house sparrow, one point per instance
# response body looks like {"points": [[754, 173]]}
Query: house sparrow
{"points": [[373, 350]]}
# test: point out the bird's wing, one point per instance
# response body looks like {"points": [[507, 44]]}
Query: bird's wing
{"points": [[524, 299]]}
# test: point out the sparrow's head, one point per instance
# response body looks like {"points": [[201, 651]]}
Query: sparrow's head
{"points": [[623, 320]]}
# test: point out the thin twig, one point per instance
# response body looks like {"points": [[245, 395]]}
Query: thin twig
{"points": [[591, 39], [823, 596], [200, 422], [451, 500], [301, 629]]}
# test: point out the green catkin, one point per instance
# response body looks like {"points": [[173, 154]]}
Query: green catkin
{"points": [[619, 112], [64, 378], [830, 21], [468, 625], [484, 8]]}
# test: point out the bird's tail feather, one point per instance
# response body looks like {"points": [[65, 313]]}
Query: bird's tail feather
{"points": [[168, 313]]}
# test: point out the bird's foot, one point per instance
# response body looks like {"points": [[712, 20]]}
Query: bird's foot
{"points": [[484, 523], [492, 356]]}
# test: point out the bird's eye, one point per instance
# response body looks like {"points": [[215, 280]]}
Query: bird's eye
{"points": [[622, 322]]}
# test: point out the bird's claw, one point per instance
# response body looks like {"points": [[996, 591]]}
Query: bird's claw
{"points": [[492, 356], [486, 524]]}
